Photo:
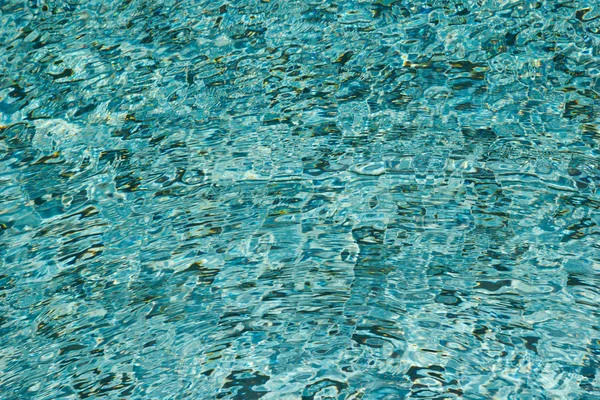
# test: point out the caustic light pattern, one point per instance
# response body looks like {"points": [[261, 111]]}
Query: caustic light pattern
{"points": [[311, 199]]}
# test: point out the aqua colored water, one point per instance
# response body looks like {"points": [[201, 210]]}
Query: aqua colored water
{"points": [[299, 199]]}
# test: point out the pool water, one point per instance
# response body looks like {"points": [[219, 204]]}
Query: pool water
{"points": [[312, 199]]}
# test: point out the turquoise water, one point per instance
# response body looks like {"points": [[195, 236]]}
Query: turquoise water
{"points": [[299, 199]]}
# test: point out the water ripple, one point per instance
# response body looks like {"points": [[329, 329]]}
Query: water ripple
{"points": [[299, 200]]}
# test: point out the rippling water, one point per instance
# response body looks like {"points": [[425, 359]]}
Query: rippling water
{"points": [[299, 199]]}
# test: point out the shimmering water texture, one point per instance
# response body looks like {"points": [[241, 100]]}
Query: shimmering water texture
{"points": [[299, 199]]}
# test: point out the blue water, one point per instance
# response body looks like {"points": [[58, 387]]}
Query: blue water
{"points": [[299, 199]]}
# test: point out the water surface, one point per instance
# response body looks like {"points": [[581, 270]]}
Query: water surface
{"points": [[299, 199]]}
